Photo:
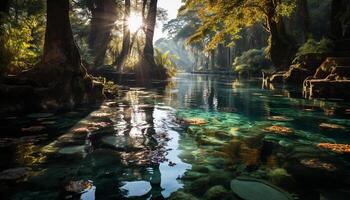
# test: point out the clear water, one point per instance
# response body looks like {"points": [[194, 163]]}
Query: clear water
{"points": [[139, 146]]}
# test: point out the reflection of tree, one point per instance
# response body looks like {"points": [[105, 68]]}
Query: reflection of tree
{"points": [[150, 151]]}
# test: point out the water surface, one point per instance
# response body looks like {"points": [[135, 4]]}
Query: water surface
{"points": [[139, 146]]}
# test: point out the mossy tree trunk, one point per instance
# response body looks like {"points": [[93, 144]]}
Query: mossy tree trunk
{"points": [[61, 70]]}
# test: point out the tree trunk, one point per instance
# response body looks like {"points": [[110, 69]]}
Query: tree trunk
{"points": [[212, 59], [305, 18], [145, 68], [59, 44], [149, 32], [126, 38], [280, 46], [62, 71], [104, 14]]}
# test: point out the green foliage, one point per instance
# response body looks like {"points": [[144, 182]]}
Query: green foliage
{"points": [[251, 62], [21, 42], [165, 61], [227, 18], [177, 48], [312, 46]]}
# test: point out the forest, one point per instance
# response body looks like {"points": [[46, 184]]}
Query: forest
{"points": [[175, 99]]}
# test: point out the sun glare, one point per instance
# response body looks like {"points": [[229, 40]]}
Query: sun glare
{"points": [[135, 22]]}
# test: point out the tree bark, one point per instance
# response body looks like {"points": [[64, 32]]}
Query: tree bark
{"points": [[104, 14], [280, 46], [126, 38], [149, 32], [147, 63], [62, 71], [59, 44], [305, 18]]}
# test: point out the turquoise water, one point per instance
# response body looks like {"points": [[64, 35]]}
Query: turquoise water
{"points": [[185, 142]]}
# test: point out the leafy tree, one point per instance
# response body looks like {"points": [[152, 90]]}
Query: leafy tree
{"points": [[228, 17], [22, 30], [251, 63]]}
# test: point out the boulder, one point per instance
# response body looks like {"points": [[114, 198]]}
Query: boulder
{"points": [[216, 192], [255, 189], [179, 195], [14, 173]]}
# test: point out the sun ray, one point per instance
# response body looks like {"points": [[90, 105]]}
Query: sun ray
{"points": [[135, 22]]}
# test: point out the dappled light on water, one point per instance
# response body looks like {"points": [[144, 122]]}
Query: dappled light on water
{"points": [[196, 136]]}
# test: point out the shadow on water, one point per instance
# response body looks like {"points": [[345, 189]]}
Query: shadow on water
{"points": [[188, 140]]}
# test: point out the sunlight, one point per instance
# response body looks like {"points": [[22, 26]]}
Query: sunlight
{"points": [[135, 22]]}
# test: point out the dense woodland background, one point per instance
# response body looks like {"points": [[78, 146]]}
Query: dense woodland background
{"points": [[244, 38]]}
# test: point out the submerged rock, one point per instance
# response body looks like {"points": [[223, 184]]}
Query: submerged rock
{"points": [[179, 195], [279, 118], [317, 164], [281, 130], [195, 121], [337, 148], [14, 173], [255, 189], [40, 115], [78, 186], [33, 129], [102, 114], [331, 126], [82, 130], [216, 192], [72, 150], [280, 177]]}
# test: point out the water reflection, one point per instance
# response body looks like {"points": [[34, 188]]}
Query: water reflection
{"points": [[137, 147]]}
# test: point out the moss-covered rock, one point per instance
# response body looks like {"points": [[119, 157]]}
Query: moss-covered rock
{"points": [[179, 195], [216, 192]]}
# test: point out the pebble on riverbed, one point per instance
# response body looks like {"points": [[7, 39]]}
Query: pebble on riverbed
{"points": [[279, 118], [280, 130], [33, 129], [317, 164], [14, 173], [337, 148], [195, 121], [331, 126], [78, 186]]}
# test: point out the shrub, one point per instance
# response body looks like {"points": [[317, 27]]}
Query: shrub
{"points": [[165, 61], [251, 62], [21, 43], [312, 46]]}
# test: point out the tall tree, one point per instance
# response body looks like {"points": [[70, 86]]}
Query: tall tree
{"points": [[147, 59], [126, 37], [304, 12], [228, 17], [149, 32], [61, 70], [104, 14]]}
